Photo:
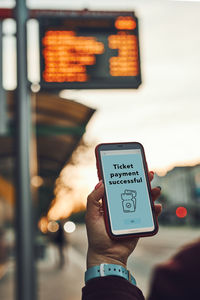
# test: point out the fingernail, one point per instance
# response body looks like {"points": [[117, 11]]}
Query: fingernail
{"points": [[98, 184], [152, 172], [159, 187]]}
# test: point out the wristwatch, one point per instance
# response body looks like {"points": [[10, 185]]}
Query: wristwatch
{"points": [[109, 270]]}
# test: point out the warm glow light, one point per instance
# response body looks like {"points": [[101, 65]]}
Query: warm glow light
{"points": [[69, 227], [7, 190], [42, 224], [125, 23], [181, 212], [67, 55], [53, 226], [62, 208], [37, 181]]}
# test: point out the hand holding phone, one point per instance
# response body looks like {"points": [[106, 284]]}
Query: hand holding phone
{"points": [[103, 249], [127, 201]]}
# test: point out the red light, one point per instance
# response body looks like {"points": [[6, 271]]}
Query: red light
{"points": [[181, 212]]}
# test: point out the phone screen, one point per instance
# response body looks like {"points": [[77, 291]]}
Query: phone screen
{"points": [[128, 200]]}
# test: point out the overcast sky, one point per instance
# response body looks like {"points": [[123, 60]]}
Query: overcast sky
{"points": [[163, 113]]}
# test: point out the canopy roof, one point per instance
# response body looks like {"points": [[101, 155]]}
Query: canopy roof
{"points": [[59, 125]]}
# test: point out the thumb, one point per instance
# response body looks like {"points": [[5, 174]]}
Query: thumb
{"points": [[94, 197]]}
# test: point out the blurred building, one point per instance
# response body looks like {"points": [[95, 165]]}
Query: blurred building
{"points": [[181, 185], [180, 188]]}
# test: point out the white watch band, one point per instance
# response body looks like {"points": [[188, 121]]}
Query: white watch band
{"points": [[109, 270]]}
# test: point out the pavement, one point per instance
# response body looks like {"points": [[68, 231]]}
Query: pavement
{"points": [[61, 283], [53, 281]]}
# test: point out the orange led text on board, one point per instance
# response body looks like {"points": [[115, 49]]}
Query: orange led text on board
{"points": [[67, 55], [126, 63], [125, 23]]}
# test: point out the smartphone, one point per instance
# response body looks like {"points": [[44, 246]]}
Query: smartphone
{"points": [[128, 206]]}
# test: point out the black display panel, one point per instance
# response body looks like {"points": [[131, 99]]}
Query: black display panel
{"points": [[89, 50]]}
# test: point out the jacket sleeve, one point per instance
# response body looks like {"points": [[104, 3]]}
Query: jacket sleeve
{"points": [[111, 287]]}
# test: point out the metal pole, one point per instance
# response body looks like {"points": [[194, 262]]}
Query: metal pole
{"points": [[3, 111], [25, 275]]}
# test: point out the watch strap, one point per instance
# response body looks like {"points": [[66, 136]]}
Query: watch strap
{"points": [[109, 270]]}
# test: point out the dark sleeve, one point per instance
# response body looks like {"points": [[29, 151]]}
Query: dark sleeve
{"points": [[179, 277], [111, 288]]}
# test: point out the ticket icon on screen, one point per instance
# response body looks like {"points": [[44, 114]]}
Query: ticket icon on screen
{"points": [[128, 198]]}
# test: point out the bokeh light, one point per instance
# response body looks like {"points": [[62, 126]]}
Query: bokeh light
{"points": [[69, 227], [53, 226], [181, 212]]}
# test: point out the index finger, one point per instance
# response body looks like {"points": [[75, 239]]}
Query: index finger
{"points": [[151, 175]]}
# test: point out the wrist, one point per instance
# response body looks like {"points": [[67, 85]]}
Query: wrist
{"points": [[94, 259]]}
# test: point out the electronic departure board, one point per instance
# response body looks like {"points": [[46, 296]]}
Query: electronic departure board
{"points": [[89, 49]]}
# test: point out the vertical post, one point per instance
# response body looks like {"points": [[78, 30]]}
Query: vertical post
{"points": [[25, 275], [3, 111]]}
